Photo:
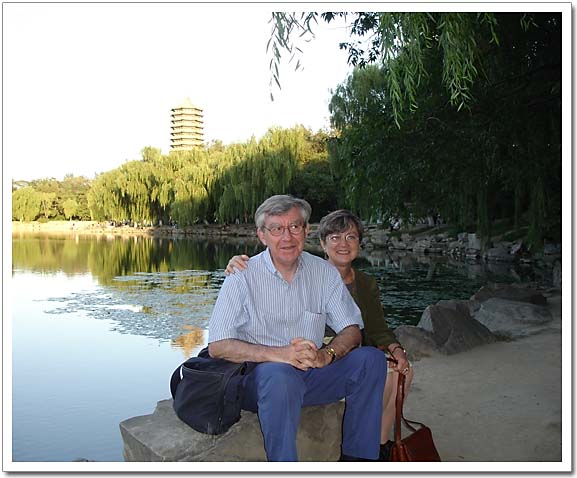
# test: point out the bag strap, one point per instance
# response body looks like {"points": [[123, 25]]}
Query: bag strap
{"points": [[399, 400]]}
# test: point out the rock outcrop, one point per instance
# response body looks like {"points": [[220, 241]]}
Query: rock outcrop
{"points": [[446, 328], [162, 436], [513, 319], [495, 312]]}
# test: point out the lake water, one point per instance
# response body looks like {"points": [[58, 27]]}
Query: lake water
{"points": [[100, 323]]}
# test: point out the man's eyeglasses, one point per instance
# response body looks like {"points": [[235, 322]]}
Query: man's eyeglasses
{"points": [[294, 229], [336, 238]]}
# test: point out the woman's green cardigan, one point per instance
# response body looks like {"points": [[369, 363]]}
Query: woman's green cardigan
{"points": [[367, 296]]}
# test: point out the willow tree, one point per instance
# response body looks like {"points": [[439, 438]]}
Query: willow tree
{"points": [[475, 101], [192, 185], [105, 200], [70, 208], [400, 41], [258, 170], [26, 204], [314, 178]]}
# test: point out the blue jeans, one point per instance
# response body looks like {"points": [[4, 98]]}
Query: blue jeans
{"points": [[278, 391]]}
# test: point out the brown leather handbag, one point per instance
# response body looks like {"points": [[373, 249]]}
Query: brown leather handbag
{"points": [[419, 445]]}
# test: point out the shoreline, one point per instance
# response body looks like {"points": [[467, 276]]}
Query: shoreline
{"points": [[378, 245]]}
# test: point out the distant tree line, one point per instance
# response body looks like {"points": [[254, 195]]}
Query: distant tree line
{"points": [[50, 199], [217, 183]]}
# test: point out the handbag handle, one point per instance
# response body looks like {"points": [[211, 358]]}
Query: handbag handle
{"points": [[399, 400]]}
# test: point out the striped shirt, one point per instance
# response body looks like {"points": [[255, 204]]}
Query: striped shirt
{"points": [[257, 305]]}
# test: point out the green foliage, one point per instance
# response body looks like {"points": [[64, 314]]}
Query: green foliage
{"points": [[400, 42], [498, 157], [284, 27], [51, 196], [70, 208], [222, 183], [26, 204]]}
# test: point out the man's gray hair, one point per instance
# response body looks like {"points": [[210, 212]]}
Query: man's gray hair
{"points": [[281, 204]]}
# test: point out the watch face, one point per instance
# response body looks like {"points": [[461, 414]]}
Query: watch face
{"points": [[332, 353]]}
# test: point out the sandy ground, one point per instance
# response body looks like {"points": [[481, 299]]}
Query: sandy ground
{"points": [[496, 403]]}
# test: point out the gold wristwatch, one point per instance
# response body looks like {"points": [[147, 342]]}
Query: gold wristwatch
{"points": [[332, 353]]}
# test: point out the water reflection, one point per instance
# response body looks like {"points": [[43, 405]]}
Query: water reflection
{"points": [[165, 288], [190, 341], [107, 257]]}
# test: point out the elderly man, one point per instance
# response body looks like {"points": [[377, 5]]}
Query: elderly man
{"points": [[274, 313]]}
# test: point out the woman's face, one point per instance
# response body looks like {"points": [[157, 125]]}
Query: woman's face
{"points": [[342, 247]]}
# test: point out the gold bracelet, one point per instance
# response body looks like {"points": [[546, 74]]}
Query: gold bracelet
{"points": [[332, 353]]}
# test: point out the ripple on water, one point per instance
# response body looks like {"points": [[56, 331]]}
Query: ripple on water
{"points": [[155, 305]]}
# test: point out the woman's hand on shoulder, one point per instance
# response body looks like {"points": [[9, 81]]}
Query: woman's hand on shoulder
{"points": [[236, 263]]}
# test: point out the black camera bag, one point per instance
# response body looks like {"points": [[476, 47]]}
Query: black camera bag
{"points": [[207, 392]]}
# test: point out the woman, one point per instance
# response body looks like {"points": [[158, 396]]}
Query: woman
{"points": [[340, 234]]}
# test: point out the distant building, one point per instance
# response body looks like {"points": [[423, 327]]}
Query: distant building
{"points": [[186, 126]]}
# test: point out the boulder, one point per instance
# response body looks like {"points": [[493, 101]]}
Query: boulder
{"points": [[454, 245], [473, 242], [510, 292], [162, 436], [453, 329], [470, 306], [423, 243], [397, 244], [418, 342], [379, 238], [513, 319]]}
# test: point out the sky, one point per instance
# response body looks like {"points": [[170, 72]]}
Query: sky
{"points": [[87, 86]]}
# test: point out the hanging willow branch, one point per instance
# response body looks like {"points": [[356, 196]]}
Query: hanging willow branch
{"points": [[398, 42]]}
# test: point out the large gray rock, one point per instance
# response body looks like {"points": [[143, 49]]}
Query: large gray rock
{"points": [[510, 292], [473, 242], [513, 319], [162, 436], [422, 246], [445, 328], [453, 329], [398, 244], [470, 306], [418, 342]]}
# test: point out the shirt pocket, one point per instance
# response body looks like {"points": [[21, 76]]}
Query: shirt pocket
{"points": [[312, 326]]}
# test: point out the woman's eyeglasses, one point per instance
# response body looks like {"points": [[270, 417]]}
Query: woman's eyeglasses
{"points": [[350, 238]]}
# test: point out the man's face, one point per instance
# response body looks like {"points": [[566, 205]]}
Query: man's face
{"points": [[286, 248]]}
